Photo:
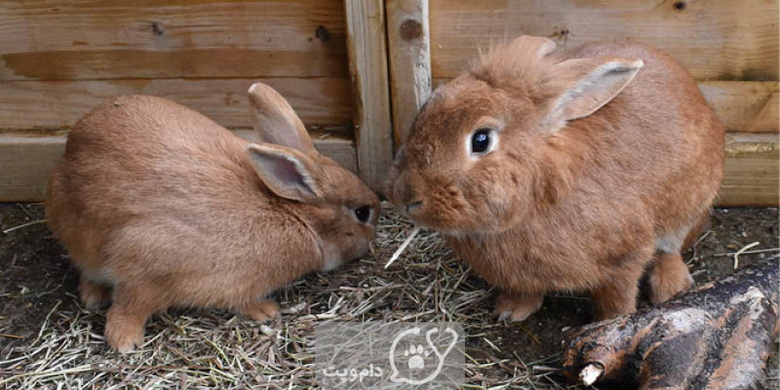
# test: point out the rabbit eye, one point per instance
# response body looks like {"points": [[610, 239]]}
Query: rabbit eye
{"points": [[480, 141], [363, 213]]}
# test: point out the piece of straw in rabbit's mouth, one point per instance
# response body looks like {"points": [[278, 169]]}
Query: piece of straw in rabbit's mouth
{"points": [[403, 246]]}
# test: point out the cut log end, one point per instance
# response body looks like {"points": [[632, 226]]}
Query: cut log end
{"points": [[591, 373]]}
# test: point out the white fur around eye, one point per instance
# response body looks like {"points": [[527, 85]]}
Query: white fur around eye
{"points": [[493, 136]]}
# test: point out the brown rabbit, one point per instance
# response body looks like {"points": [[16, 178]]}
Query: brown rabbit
{"points": [[159, 206], [565, 172]]}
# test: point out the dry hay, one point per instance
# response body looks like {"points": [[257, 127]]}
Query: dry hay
{"points": [[215, 349]]}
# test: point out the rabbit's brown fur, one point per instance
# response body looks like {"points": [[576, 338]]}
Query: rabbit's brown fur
{"points": [[159, 206], [601, 170]]}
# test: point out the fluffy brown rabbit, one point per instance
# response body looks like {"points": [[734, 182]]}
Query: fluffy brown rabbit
{"points": [[576, 171], [159, 206]]}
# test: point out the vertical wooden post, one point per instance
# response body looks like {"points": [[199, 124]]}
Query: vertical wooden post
{"points": [[368, 68], [408, 39]]}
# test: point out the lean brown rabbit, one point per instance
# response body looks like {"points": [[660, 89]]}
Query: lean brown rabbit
{"points": [[549, 172], [159, 206]]}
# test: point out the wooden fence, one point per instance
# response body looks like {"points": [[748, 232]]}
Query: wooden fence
{"points": [[356, 71]]}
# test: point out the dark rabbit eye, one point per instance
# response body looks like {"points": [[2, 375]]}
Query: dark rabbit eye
{"points": [[480, 141], [363, 213]]}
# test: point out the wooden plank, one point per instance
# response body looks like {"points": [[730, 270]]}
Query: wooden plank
{"points": [[410, 61], [59, 104], [742, 106], [83, 39], [368, 68], [749, 106], [751, 170], [27, 162], [26, 165], [767, 119], [716, 39]]}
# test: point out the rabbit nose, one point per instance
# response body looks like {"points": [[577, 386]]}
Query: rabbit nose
{"points": [[413, 206], [408, 191]]}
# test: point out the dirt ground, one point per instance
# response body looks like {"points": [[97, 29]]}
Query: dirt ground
{"points": [[37, 285]]}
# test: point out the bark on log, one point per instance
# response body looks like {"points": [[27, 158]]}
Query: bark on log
{"points": [[718, 336]]}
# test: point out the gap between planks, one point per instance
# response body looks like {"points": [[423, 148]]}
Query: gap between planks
{"points": [[751, 170], [26, 161]]}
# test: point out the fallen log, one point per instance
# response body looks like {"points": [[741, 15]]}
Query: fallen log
{"points": [[718, 336]]}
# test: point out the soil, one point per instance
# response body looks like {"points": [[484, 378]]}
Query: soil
{"points": [[35, 275], [37, 279]]}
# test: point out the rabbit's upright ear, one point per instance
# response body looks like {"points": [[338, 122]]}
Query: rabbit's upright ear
{"points": [[287, 172], [275, 121], [539, 46], [588, 84]]}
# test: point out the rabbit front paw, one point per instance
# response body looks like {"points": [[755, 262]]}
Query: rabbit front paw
{"points": [[262, 311], [669, 277], [124, 332], [93, 295], [517, 307]]}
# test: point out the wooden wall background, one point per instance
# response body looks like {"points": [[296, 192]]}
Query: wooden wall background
{"points": [[59, 59], [356, 71], [730, 48]]}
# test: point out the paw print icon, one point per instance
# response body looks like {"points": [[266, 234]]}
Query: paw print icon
{"points": [[415, 356], [416, 360]]}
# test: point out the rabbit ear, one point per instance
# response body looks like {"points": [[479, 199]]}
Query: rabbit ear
{"points": [[275, 121], [588, 84], [540, 46], [287, 172]]}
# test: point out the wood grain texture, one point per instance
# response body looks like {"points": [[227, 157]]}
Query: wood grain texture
{"points": [[752, 170], [27, 161], [368, 68], [717, 39], [84, 39], [59, 104], [410, 61], [767, 119], [752, 167], [742, 106], [749, 106]]}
